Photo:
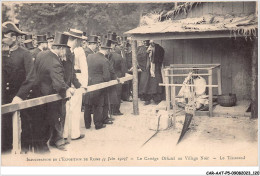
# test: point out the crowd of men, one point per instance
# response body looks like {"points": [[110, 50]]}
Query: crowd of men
{"points": [[65, 64]]}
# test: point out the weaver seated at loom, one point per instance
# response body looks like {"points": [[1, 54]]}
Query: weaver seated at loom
{"points": [[198, 91]]}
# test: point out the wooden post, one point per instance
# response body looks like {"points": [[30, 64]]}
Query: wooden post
{"points": [[219, 80], [135, 78], [254, 89], [210, 94], [16, 133], [173, 106], [167, 92]]}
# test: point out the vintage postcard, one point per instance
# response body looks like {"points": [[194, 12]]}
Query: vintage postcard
{"points": [[129, 83]]}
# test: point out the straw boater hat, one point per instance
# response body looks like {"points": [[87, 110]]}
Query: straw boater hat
{"points": [[105, 43], [60, 39], [74, 33], [9, 26]]}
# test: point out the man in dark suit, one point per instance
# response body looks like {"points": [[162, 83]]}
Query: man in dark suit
{"points": [[51, 80], [119, 66], [98, 73], [90, 49], [42, 45], [18, 77]]}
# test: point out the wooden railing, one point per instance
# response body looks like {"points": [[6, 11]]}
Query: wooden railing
{"points": [[15, 108]]}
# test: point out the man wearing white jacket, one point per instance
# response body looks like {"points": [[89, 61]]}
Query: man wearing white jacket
{"points": [[73, 106]]}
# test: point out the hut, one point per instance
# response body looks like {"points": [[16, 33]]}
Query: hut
{"points": [[208, 33]]}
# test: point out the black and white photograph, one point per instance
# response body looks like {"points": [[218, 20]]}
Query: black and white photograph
{"points": [[129, 83]]}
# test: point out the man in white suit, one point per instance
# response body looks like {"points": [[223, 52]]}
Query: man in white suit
{"points": [[73, 107]]}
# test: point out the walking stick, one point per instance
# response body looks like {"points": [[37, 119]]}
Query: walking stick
{"points": [[157, 131]]}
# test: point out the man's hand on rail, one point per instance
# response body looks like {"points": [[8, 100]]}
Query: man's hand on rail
{"points": [[70, 91], [17, 99], [83, 89]]}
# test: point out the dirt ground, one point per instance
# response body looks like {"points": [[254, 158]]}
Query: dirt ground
{"points": [[215, 141]]}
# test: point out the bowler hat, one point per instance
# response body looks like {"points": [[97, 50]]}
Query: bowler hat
{"points": [[49, 36], [93, 39], [28, 44], [74, 33], [112, 36], [28, 37], [9, 26], [106, 43], [60, 39], [42, 39]]}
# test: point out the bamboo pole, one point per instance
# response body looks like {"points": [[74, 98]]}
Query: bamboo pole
{"points": [[135, 78]]}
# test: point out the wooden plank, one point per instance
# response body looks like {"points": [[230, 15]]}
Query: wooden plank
{"points": [[183, 35], [227, 7], [216, 58], [249, 7], [210, 95], [55, 97], [238, 7], [16, 133], [197, 11], [192, 65], [205, 9], [226, 66], [135, 78], [187, 52], [217, 8], [188, 85], [210, 7], [179, 75]]}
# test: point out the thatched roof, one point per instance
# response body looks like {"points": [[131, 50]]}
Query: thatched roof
{"points": [[244, 25]]}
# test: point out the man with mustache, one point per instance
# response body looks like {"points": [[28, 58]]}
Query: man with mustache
{"points": [[18, 77]]}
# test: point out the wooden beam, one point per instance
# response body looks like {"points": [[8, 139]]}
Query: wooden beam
{"points": [[183, 35], [254, 89], [194, 65], [135, 78], [177, 75], [55, 97], [189, 85]]}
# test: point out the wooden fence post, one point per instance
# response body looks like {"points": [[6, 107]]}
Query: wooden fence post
{"points": [[210, 94], [219, 80], [16, 133], [135, 77]]}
